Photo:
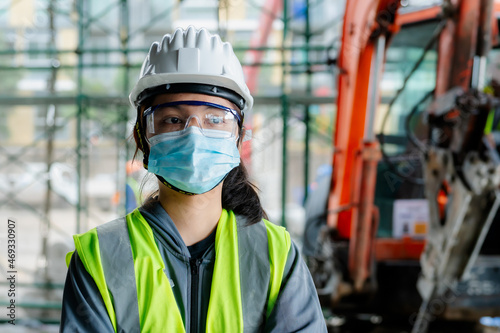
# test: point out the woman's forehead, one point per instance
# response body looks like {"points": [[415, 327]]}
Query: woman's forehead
{"points": [[176, 97]]}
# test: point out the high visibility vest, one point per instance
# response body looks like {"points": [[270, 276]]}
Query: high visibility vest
{"points": [[128, 269]]}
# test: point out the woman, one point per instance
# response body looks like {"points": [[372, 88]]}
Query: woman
{"points": [[198, 256]]}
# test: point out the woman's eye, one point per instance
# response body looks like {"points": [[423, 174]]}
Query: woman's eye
{"points": [[215, 120], [173, 120]]}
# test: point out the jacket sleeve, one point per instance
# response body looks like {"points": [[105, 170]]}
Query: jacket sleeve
{"points": [[297, 308], [83, 309]]}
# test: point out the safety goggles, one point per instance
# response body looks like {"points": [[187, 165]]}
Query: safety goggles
{"points": [[214, 120]]}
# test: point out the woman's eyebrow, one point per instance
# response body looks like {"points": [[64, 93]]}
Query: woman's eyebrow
{"points": [[198, 108], [168, 106], [175, 108], [211, 107]]}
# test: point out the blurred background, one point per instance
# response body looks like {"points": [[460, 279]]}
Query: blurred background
{"points": [[67, 67]]}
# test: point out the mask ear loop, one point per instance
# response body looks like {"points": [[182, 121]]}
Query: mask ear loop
{"points": [[248, 135]]}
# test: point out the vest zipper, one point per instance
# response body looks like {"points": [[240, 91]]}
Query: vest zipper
{"points": [[195, 278]]}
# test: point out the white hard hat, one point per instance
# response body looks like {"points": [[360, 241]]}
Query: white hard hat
{"points": [[192, 61]]}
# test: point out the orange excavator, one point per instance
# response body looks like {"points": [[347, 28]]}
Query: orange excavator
{"points": [[456, 168]]}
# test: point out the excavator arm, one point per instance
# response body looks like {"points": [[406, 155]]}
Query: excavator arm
{"points": [[368, 27]]}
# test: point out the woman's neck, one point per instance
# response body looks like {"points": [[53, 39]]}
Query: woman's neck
{"points": [[195, 216]]}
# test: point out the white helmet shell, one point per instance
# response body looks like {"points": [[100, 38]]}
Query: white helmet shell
{"points": [[192, 56]]}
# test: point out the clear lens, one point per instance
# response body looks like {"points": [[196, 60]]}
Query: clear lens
{"points": [[214, 120]]}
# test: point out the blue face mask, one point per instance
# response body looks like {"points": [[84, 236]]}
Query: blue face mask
{"points": [[191, 161]]}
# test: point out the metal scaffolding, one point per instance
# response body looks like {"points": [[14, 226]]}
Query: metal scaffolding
{"points": [[68, 67]]}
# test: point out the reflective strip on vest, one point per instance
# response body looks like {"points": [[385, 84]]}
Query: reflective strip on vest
{"points": [[130, 307], [87, 245], [278, 239], [116, 256]]}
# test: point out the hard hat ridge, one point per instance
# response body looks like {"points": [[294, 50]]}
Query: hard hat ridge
{"points": [[190, 37], [176, 40], [203, 39]]}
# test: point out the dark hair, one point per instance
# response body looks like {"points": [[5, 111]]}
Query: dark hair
{"points": [[238, 193]]}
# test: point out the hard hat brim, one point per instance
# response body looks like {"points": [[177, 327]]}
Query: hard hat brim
{"points": [[148, 81]]}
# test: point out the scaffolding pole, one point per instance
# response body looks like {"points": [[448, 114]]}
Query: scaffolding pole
{"points": [[284, 110], [307, 108], [123, 147], [79, 103]]}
